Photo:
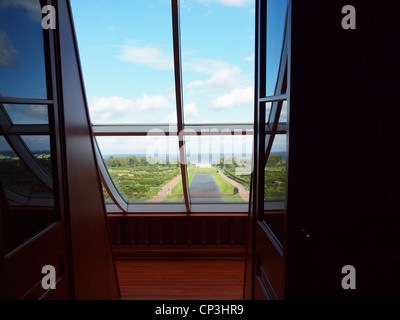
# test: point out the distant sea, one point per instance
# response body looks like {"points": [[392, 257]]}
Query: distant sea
{"points": [[194, 158]]}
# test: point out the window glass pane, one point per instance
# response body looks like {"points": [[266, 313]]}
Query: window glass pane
{"points": [[283, 115], [40, 148], [275, 171], [107, 197], [144, 169], [22, 62], [29, 205], [276, 14], [15, 175], [218, 61], [268, 106], [27, 114], [219, 168], [126, 52]]}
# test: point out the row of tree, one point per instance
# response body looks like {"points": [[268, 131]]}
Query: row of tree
{"points": [[134, 161]]}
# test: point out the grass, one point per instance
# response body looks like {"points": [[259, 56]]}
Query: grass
{"points": [[153, 191], [177, 189], [234, 198], [224, 186], [171, 198]]}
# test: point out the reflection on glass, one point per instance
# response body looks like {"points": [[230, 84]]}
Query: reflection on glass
{"points": [[217, 61], [106, 195], [15, 176], [39, 146], [219, 168], [275, 170], [283, 115], [276, 14], [268, 106], [143, 169], [28, 203], [22, 62], [27, 114], [127, 59]]}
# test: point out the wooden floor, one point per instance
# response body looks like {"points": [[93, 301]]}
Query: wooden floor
{"points": [[181, 279]]}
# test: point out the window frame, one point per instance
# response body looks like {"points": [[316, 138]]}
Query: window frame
{"points": [[181, 130]]}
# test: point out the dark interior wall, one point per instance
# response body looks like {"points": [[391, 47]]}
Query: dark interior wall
{"points": [[343, 180], [94, 275]]}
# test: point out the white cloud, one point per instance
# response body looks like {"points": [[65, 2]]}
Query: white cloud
{"points": [[117, 108], [32, 7], [150, 56], [249, 58], [190, 110], [224, 79], [235, 3], [154, 57], [195, 84], [171, 118], [35, 111], [7, 51], [207, 66], [233, 98]]}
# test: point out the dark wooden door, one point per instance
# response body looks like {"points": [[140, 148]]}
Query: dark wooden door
{"points": [[341, 206], [33, 229], [341, 209], [265, 263]]}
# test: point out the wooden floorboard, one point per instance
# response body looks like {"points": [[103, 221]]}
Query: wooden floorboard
{"points": [[181, 279]]}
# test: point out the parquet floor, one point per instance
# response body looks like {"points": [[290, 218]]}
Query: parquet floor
{"points": [[181, 279]]}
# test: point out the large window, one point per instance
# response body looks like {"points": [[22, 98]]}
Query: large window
{"points": [[27, 183], [170, 88], [273, 34]]}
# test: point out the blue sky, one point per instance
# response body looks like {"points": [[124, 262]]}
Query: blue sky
{"points": [[22, 70], [127, 57], [126, 51]]}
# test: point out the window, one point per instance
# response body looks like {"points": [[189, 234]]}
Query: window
{"points": [[273, 36], [276, 15], [22, 58], [171, 106], [217, 62], [26, 150], [140, 173], [275, 171]]}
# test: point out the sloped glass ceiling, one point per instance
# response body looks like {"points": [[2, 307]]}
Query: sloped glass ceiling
{"points": [[127, 56]]}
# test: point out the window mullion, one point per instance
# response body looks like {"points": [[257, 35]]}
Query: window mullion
{"points": [[179, 98]]}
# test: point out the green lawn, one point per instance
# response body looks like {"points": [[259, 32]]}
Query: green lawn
{"points": [[125, 182], [234, 198], [177, 189], [224, 186], [171, 198]]}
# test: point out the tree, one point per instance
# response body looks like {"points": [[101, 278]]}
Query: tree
{"points": [[222, 162], [131, 161]]}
